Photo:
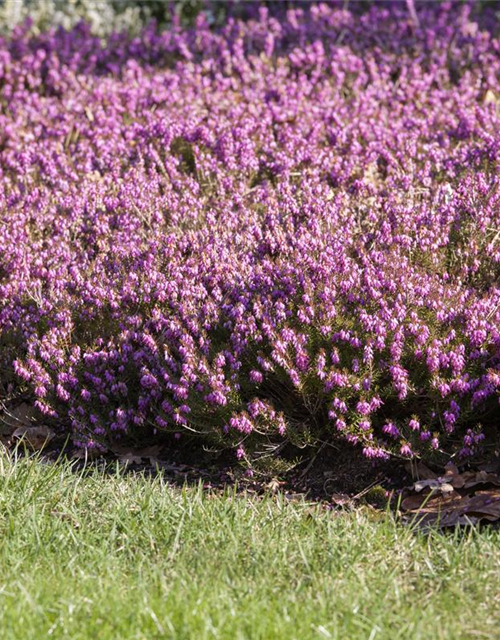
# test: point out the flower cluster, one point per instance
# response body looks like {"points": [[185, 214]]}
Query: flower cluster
{"points": [[280, 229]]}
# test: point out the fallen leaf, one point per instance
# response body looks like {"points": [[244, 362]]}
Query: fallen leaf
{"points": [[453, 476], [481, 477], [451, 469], [340, 499], [469, 479], [484, 505], [294, 497], [432, 501], [87, 454], [128, 456], [35, 437], [455, 499], [437, 485], [420, 471], [490, 467], [14, 417], [274, 485]]}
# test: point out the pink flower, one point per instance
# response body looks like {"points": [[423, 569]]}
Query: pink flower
{"points": [[240, 453]]}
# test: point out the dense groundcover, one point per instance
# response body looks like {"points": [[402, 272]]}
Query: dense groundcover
{"points": [[284, 229]]}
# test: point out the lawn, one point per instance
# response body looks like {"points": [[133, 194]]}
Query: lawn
{"points": [[94, 555]]}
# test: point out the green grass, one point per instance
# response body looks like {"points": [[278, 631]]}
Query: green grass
{"points": [[94, 556]]}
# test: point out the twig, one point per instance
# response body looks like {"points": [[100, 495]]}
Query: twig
{"points": [[366, 489]]}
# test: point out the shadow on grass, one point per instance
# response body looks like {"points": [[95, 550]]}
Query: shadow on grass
{"points": [[336, 475]]}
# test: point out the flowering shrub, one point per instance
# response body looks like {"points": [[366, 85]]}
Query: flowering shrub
{"points": [[280, 230]]}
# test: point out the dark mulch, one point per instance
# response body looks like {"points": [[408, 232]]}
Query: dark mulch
{"points": [[333, 475], [336, 475]]}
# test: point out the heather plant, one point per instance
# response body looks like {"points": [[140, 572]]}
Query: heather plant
{"points": [[283, 229]]}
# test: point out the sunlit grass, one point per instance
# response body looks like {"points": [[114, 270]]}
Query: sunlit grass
{"points": [[123, 556]]}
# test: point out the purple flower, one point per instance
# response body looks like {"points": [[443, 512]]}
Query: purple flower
{"points": [[178, 233], [240, 453], [256, 376], [391, 430], [405, 450]]}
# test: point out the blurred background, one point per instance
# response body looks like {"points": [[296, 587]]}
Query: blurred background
{"points": [[107, 16]]}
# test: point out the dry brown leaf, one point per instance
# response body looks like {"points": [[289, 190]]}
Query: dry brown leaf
{"points": [[469, 479], [34, 437], [129, 458], [493, 466], [420, 471], [87, 454], [481, 477], [451, 469], [137, 456], [14, 417], [468, 498], [453, 476], [294, 497], [455, 518], [436, 485], [430, 502], [23, 413], [340, 499], [274, 485], [484, 505]]}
